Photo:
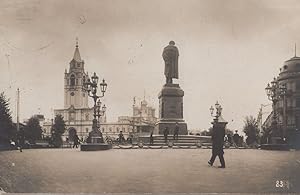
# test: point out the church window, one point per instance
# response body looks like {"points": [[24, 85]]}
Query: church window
{"points": [[87, 117], [83, 79], [110, 129], [118, 129], [72, 116], [103, 129], [87, 130], [72, 80], [78, 65], [162, 110], [77, 82]]}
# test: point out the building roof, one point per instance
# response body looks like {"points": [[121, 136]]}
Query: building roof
{"points": [[76, 56], [291, 65]]}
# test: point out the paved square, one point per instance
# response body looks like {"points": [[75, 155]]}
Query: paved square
{"points": [[148, 170]]}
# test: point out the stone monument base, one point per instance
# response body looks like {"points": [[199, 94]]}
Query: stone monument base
{"points": [[95, 146], [162, 124], [171, 109]]}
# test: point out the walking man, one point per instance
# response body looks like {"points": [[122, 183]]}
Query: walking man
{"points": [[76, 141], [217, 137]]}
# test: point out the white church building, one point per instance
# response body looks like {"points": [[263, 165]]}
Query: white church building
{"points": [[78, 115]]}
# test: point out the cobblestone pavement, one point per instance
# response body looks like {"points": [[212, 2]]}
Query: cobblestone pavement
{"points": [[151, 170]]}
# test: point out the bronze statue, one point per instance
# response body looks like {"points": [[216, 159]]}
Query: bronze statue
{"points": [[170, 56]]}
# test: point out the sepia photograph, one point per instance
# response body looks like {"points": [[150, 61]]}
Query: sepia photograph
{"points": [[149, 97]]}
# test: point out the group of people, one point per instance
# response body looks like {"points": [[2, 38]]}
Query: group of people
{"points": [[166, 133], [236, 140]]}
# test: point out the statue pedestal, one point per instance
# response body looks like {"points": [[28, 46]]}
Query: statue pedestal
{"points": [[171, 109], [95, 142]]}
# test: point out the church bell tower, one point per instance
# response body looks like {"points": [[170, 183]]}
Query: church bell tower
{"points": [[74, 94]]}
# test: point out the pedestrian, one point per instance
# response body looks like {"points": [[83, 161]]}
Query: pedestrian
{"points": [[151, 138], [176, 131], [21, 139], [121, 137], [76, 141], [229, 139], [166, 133], [236, 138], [218, 135]]}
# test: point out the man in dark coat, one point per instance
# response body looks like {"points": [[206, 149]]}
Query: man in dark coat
{"points": [[76, 141], [151, 138], [166, 133], [236, 138], [176, 131], [218, 135], [121, 137]]}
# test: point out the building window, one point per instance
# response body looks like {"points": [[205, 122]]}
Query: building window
{"points": [[118, 129], [110, 129], [103, 129], [87, 130], [72, 116], [72, 79], [87, 117], [162, 110]]}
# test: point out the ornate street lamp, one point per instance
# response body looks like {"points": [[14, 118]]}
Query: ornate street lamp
{"points": [[275, 92], [272, 94], [218, 111], [218, 123], [91, 87]]}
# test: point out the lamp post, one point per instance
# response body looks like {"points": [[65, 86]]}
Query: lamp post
{"points": [[219, 124], [218, 111], [276, 92], [91, 87]]}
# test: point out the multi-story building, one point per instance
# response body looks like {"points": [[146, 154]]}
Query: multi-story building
{"points": [[76, 112], [141, 122], [287, 104], [78, 115]]}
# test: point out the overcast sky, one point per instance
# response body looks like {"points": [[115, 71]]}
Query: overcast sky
{"points": [[229, 50]]}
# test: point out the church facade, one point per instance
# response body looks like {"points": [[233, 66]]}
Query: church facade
{"points": [[78, 115], [76, 112]]}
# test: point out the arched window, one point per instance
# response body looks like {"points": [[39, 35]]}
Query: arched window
{"points": [[83, 79], [72, 80]]}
